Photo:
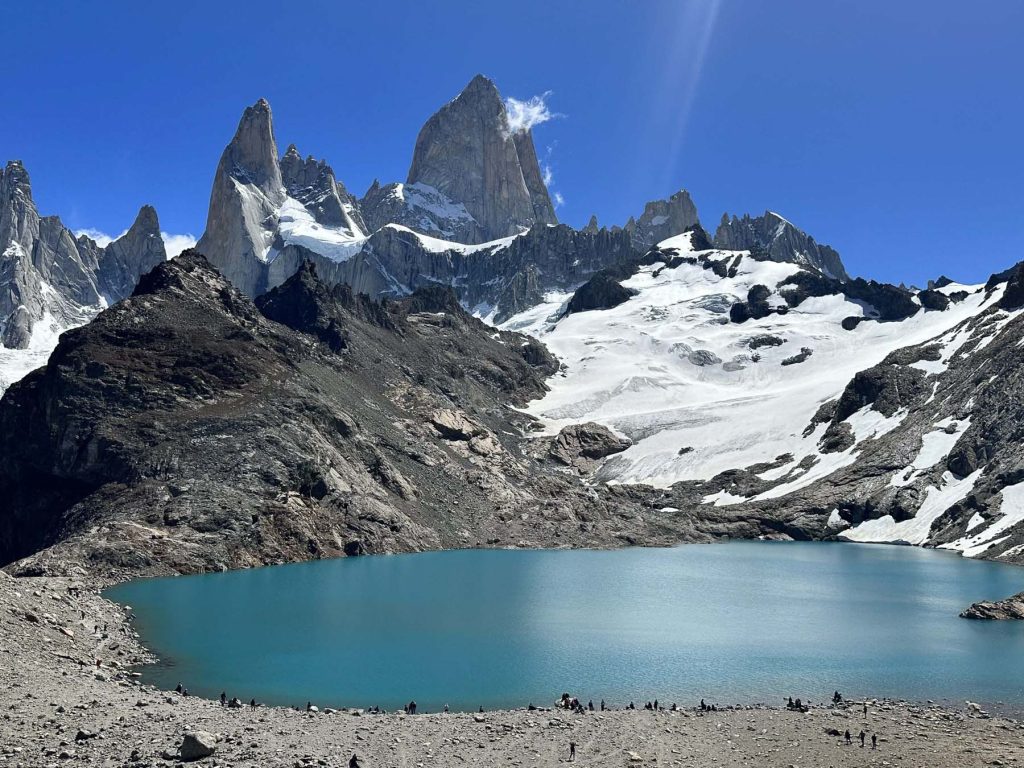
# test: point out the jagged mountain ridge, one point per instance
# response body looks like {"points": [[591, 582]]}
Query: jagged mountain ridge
{"points": [[185, 430], [51, 280]]}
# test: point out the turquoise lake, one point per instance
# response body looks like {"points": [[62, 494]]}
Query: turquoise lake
{"points": [[740, 622]]}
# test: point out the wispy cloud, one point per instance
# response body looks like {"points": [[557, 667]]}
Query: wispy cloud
{"points": [[559, 200], [523, 115], [102, 238], [174, 244]]}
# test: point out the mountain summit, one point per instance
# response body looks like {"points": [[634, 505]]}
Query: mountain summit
{"points": [[469, 152]]}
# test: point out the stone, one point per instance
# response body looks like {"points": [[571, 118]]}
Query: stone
{"points": [[1012, 608], [197, 745]]}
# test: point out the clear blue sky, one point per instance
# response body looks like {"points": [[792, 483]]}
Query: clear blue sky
{"points": [[890, 130]]}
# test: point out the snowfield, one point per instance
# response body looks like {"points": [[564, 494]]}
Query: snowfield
{"points": [[668, 370]]}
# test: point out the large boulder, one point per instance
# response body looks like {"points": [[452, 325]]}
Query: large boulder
{"points": [[1010, 608], [196, 745], [583, 445]]}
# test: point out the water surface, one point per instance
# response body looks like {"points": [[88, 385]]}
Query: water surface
{"points": [[733, 623]]}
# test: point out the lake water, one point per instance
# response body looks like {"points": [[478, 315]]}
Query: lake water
{"points": [[732, 623]]}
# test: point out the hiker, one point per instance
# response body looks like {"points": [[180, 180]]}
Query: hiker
{"points": [[673, 706], [789, 704], [590, 705], [631, 706], [572, 751], [704, 707], [446, 708], [353, 761], [309, 706], [848, 741], [862, 735], [223, 699], [602, 705], [252, 705], [874, 741], [837, 697], [865, 709], [799, 705], [177, 688], [184, 692], [655, 705], [412, 707]]}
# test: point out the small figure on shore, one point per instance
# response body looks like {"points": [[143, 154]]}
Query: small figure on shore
{"points": [[848, 740], [184, 692], [223, 699], [98, 663], [177, 688], [789, 704], [865, 709], [837, 697], [655, 705], [704, 707], [862, 735], [309, 706], [590, 705], [602, 705], [446, 708], [631, 706], [572, 751], [353, 762], [252, 704], [874, 741], [481, 710], [411, 709], [673, 706]]}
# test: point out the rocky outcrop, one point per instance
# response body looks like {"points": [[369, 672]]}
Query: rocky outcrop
{"points": [[184, 430], [312, 183], [603, 291], [584, 445], [470, 153], [663, 219], [247, 193], [1012, 608], [47, 274], [777, 239]]}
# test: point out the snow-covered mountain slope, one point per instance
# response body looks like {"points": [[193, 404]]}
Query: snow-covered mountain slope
{"points": [[807, 417], [698, 394]]}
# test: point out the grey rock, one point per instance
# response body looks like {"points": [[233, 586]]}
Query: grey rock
{"points": [[1012, 608], [248, 191], [197, 745], [662, 219], [777, 239], [703, 358], [468, 152], [582, 445]]}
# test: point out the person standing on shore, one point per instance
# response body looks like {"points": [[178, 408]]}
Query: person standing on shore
{"points": [[572, 751], [848, 740], [252, 705], [874, 741], [862, 735]]}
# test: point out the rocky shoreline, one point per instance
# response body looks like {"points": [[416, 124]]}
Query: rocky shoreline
{"points": [[1012, 608], [71, 696]]}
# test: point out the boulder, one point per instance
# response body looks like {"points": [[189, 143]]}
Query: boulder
{"points": [[581, 445], [1012, 608], [196, 745]]}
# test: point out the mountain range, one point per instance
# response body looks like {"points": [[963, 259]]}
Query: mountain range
{"points": [[441, 363]]}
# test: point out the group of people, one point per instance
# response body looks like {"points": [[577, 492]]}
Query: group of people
{"points": [[234, 702], [874, 739]]}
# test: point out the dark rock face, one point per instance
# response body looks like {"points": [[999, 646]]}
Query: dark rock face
{"points": [[313, 183], [933, 300], [799, 357], [755, 307], [662, 219], [470, 153], [1012, 608], [45, 272], [779, 240], [1013, 297], [184, 430], [602, 291]]}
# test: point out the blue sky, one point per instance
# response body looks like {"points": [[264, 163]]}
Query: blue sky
{"points": [[890, 130]]}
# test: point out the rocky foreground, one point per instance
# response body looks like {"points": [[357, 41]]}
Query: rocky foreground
{"points": [[68, 696], [1012, 608]]}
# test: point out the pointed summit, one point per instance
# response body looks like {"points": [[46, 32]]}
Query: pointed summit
{"points": [[247, 193], [132, 255], [467, 153], [779, 240], [252, 153]]}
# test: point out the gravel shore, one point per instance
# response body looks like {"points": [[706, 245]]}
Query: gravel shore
{"points": [[58, 708]]}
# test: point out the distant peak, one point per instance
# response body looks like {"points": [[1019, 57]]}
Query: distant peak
{"points": [[16, 177], [147, 220], [292, 151]]}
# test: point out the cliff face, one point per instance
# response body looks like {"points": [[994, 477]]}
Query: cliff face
{"points": [[780, 240], [49, 277], [468, 152]]}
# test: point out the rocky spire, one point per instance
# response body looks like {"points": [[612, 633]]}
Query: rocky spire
{"points": [[247, 193], [779, 240], [468, 152], [132, 255], [662, 219], [313, 183]]}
